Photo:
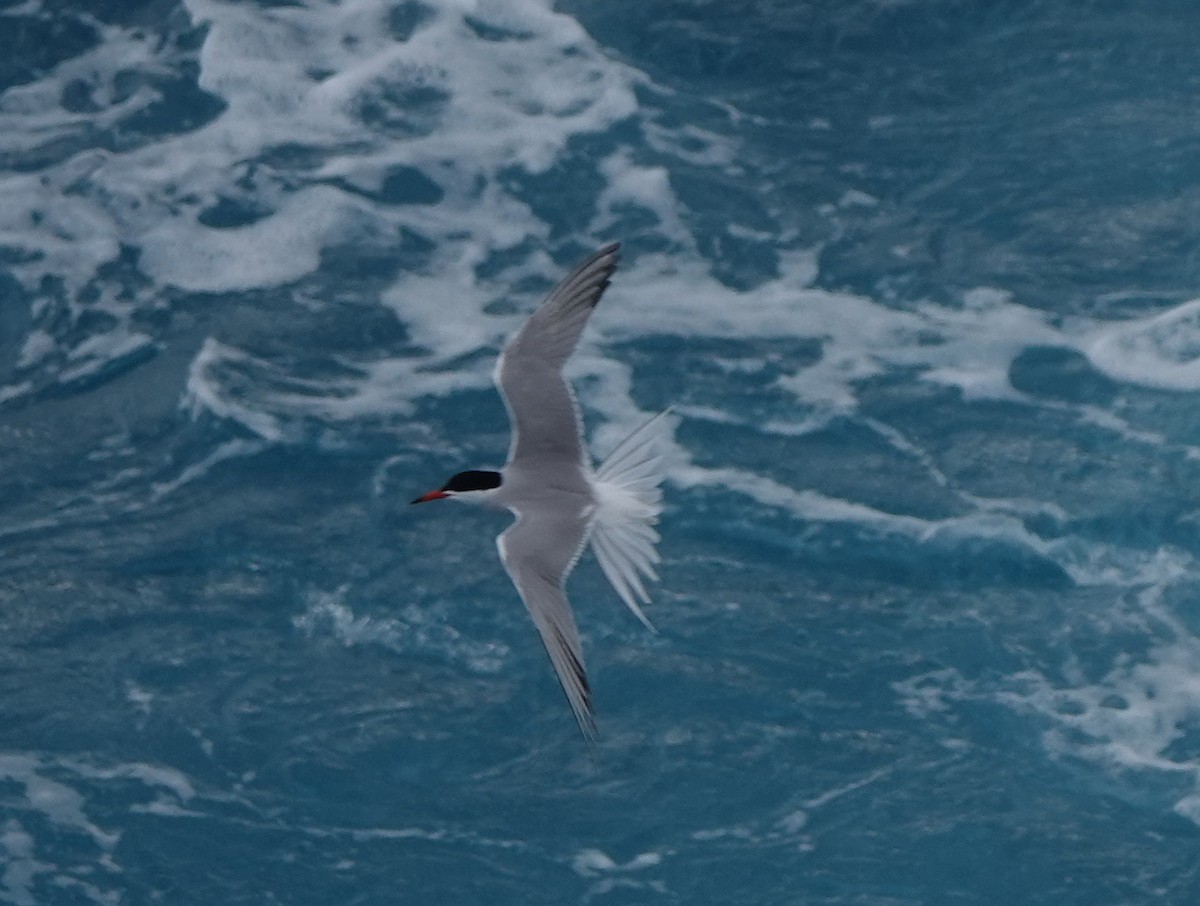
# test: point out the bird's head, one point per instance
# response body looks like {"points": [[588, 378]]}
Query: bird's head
{"points": [[473, 485]]}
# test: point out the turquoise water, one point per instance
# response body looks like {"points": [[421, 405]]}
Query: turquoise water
{"points": [[919, 280]]}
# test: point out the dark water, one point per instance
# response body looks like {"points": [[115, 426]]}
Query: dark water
{"points": [[917, 279]]}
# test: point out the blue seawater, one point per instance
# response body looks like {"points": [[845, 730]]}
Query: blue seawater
{"points": [[919, 278]]}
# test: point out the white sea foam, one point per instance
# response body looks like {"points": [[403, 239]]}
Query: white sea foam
{"points": [[472, 92], [813, 506], [231, 449], [62, 804], [20, 865], [55, 793], [1127, 722], [606, 874], [1161, 351], [525, 81], [628, 184], [414, 631], [278, 249], [591, 862], [1112, 566], [52, 808], [155, 777], [786, 827]]}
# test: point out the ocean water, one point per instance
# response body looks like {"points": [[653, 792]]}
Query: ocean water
{"points": [[920, 279]]}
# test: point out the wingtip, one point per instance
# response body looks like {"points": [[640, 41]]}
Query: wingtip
{"points": [[585, 717], [590, 733], [609, 253], [596, 271]]}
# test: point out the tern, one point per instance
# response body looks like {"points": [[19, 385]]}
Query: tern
{"points": [[560, 502]]}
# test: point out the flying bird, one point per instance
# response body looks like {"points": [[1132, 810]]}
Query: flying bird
{"points": [[560, 502]]}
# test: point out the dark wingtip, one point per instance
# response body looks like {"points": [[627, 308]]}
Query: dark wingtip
{"points": [[611, 250]]}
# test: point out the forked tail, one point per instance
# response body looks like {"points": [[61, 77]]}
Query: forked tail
{"points": [[627, 508]]}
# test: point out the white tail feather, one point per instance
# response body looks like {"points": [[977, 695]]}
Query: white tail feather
{"points": [[627, 507]]}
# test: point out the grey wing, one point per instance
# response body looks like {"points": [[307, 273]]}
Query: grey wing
{"points": [[541, 407], [539, 550]]}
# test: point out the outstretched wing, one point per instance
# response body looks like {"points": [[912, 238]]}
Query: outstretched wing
{"points": [[539, 550], [541, 407]]}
